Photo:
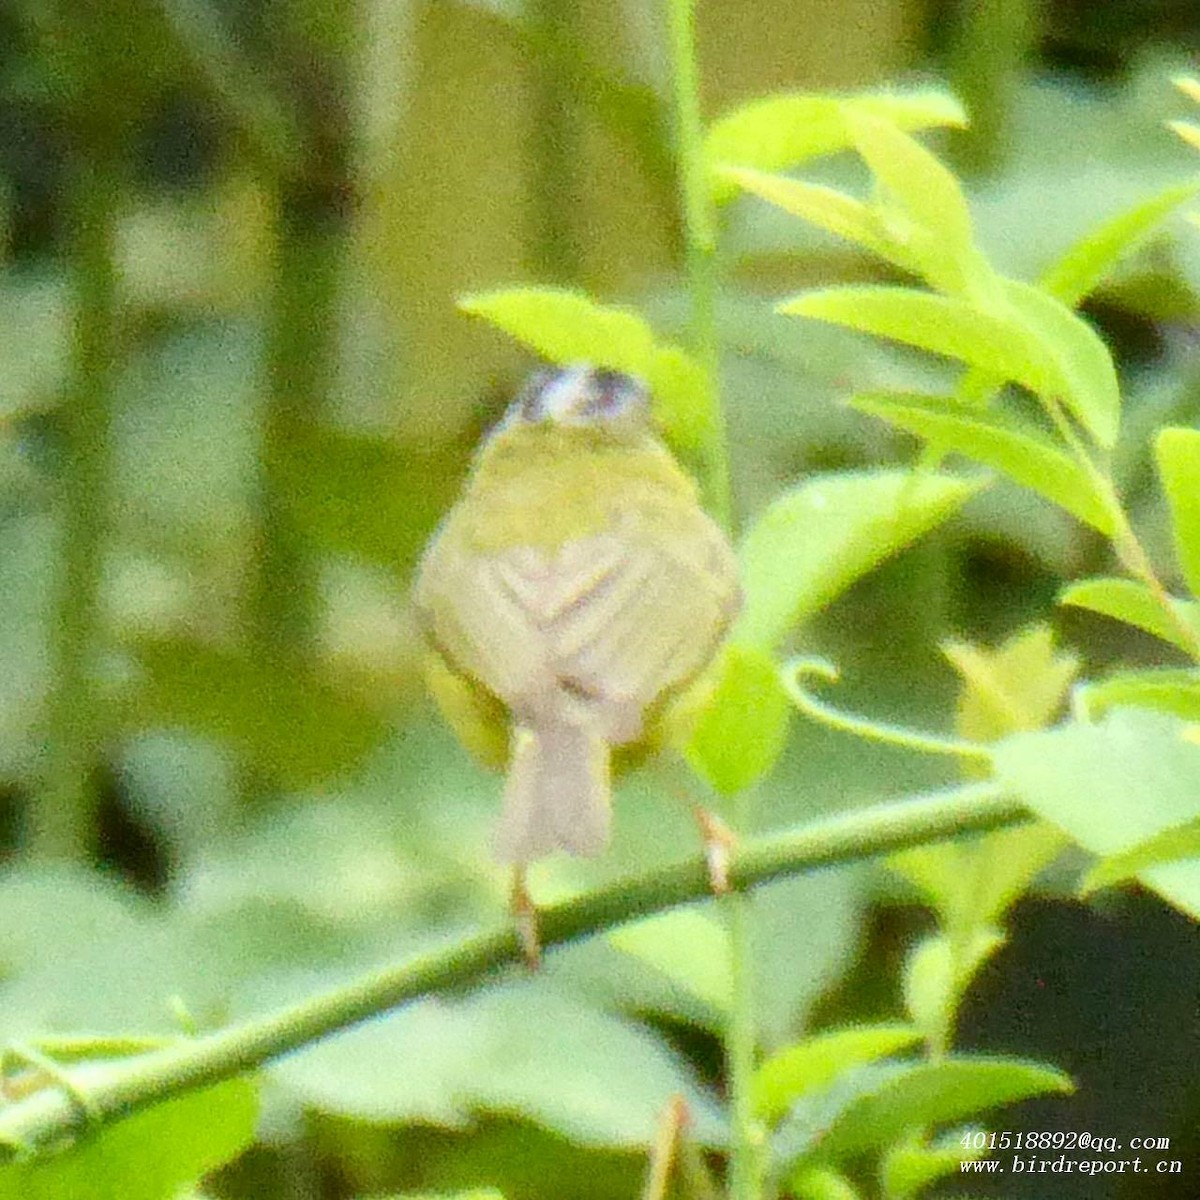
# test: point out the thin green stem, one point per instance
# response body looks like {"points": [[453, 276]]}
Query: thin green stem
{"points": [[61, 818], [700, 235], [699, 222], [116, 1089], [746, 1151], [875, 731]]}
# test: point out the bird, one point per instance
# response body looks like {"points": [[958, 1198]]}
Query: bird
{"points": [[569, 599]]}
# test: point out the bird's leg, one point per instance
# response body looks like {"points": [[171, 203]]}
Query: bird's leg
{"points": [[664, 1150], [525, 915], [719, 841], [674, 1154]]}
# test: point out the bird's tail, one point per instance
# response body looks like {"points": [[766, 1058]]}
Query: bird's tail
{"points": [[557, 796]]}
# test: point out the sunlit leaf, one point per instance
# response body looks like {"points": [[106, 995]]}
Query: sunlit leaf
{"points": [[1172, 845], [939, 970], [1077, 272], [783, 131], [687, 946], [1082, 375], [682, 404], [825, 207], [1113, 785], [973, 881], [1169, 691], [1021, 684], [814, 1063], [1132, 602], [150, 1155], [821, 1183], [1016, 449], [741, 730], [568, 327], [940, 324], [1033, 340], [815, 540], [934, 1093], [1178, 454], [911, 1166], [923, 209]]}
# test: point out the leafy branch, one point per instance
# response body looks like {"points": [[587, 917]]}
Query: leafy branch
{"points": [[92, 1095]]}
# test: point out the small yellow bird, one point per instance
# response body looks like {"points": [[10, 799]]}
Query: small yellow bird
{"points": [[574, 591]]}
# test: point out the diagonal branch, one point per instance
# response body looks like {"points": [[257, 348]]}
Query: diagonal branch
{"points": [[114, 1089]]}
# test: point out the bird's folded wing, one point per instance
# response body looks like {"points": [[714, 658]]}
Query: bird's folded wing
{"points": [[612, 619], [654, 622]]}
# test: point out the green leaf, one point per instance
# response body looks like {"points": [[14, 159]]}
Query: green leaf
{"points": [[816, 539], [937, 973], [813, 1064], [687, 946], [1034, 340], [1170, 691], [150, 1155], [997, 441], [934, 1093], [1080, 368], [1020, 685], [911, 1166], [1112, 786], [1132, 602], [741, 730], [1172, 845], [1077, 272], [1178, 455], [523, 1049], [972, 882], [820, 1183], [296, 727], [567, 327], [923, 209], [682, 404], [940, 324], [783, 131], [825, 207]]}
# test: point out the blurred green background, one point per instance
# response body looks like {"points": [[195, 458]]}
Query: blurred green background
{"points": [[235, 397]]}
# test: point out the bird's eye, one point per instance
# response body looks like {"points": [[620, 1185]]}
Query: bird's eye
{"points": [[613, 392]]}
